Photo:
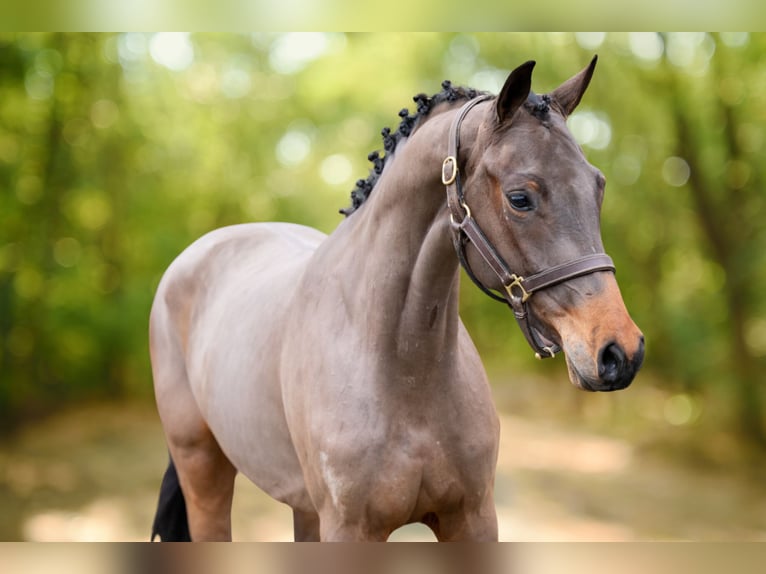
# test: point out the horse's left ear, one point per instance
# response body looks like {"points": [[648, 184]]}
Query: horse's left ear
{"points": [[514, 92], [568, 94]]}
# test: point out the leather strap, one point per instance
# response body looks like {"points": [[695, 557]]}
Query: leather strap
{"points": [[450, 169], [516, 289], [569, 270]]}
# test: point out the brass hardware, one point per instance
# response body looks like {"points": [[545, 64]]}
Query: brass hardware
{"points": [[517, 282], [548, 350], [449, 163], [466, 216]]}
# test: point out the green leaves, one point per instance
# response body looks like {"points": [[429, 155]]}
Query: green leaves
{"points": [[117, 151]]}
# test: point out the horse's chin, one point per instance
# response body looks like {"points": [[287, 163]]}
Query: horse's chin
{"points": [[591, 384], [582, 383]]}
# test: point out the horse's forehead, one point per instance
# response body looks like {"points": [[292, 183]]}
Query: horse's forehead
{"points": [[547, 147]]}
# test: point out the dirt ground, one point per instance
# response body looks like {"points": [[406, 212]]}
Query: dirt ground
{"points": [[93, 474]]}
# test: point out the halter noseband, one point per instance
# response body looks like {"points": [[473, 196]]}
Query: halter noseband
{"points": [[516, 289]]}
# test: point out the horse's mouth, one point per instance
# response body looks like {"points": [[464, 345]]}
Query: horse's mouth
{"points": [[592, 384]]}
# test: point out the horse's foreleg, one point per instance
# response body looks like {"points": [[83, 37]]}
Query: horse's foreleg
{"points": [[336, 528], [476, 525], [305, 526]]}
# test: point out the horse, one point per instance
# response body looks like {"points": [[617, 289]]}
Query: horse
{"points": [[334, 370]]}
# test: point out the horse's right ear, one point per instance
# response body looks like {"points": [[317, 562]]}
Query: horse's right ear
{"points": [[514, 92], [569, 93]]}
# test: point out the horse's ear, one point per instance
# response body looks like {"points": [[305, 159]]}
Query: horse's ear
{"points": [[568, 94], [515, 91]]}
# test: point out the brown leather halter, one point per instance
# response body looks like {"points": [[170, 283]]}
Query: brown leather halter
{"points": [[516, 289]]}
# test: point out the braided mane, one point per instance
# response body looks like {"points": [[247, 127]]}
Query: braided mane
{"points": [[425, 104]]}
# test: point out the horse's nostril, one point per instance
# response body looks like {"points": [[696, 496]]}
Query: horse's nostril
{"points": [[611, 364], [639, 357]]}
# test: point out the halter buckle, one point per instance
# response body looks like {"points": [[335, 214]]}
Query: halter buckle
{"points": [[449, 170], [517, 282]]}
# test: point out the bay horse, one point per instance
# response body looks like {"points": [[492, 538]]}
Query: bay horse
{"points": [[335, 372]]}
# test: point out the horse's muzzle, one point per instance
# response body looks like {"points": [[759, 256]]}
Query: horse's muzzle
{"points": [[616, 368]]}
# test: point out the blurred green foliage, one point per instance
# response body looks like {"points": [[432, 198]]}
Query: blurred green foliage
{"points": [[118, 150], [435, 15]]}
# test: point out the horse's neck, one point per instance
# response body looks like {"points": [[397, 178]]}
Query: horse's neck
{"points": [[405, 261]]}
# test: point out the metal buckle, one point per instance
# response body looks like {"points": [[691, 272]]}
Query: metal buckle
{"points": [[449, 163], [458, 225], [548, 350], [517, 282]]}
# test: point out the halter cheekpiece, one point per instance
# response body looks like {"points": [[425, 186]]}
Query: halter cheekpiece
{"points": [[516, 289]]}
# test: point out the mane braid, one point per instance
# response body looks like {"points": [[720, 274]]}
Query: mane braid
{"points": [[538, 106], [408, 123]]}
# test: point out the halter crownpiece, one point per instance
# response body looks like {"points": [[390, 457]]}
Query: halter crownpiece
{"points": [[516, 289]]}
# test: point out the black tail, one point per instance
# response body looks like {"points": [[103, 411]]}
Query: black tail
{"points": [[170, 522]]}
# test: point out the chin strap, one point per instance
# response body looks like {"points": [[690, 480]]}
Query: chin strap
{"points": [[516, 289]]}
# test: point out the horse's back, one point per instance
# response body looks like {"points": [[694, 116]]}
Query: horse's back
{"points": [[228, 248], [215, 330], [211, 266]]}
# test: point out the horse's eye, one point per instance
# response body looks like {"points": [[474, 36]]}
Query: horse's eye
{"points": [[520, 201]]}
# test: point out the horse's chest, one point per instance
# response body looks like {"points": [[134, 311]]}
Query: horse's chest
{"points": [[415, 473], [445, 480]]}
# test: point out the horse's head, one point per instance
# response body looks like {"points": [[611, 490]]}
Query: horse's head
{"points": [[538, 201]]}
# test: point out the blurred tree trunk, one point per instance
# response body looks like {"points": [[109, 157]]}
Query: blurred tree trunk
{"points": [[718, 209], [112, 176], [40, 222]]}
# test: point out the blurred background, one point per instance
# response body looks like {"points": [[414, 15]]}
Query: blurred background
{"points": [[118, 150]]}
